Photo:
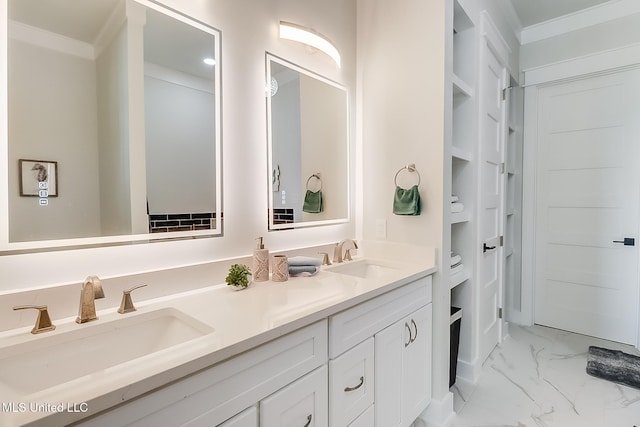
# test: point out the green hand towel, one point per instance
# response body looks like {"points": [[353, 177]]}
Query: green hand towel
{"points": [[406, 202], [313, 202]]}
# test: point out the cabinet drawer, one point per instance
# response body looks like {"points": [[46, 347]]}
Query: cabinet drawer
{"points": [[351, 384], [216, 394], [365, 419], [302, 403], [363, 321], [247, 418]]}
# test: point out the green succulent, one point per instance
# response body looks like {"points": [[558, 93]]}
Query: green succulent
{"points": [[238, 276]]}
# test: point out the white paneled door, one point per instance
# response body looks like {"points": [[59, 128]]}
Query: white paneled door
{"points": [[587, 216], [492, 136]]}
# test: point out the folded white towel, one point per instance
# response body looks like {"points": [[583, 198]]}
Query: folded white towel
{"points": [[454, 199], [457, 268], [457, 207], [455, 259]]}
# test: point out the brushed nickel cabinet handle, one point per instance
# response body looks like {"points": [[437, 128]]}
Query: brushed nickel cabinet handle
{"points": [[348, 389], [308, 421], [410, 335], [416, 328]]}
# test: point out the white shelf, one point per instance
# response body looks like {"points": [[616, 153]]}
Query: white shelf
{"points": [[460, 87], [461, 154], [459, 217], [459, 278]]}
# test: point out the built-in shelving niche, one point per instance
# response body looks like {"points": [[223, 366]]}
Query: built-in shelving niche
{"points": [[463, 169]]}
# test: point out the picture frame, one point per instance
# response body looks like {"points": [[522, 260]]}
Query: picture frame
{"points": [[38, 178]]}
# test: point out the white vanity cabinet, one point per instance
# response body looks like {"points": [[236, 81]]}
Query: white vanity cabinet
{"points": [[394, 332], [300, 404], [361, 367], [246, 418], [216, 394], [403, 369]]}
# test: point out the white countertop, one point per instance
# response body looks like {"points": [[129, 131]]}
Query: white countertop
{"points": [[241, 320]]}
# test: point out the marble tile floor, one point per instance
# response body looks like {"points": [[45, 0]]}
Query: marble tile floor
{"points": [[537, 378]]}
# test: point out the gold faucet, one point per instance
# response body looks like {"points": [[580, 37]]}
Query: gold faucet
{"points": [[126, 306], [337, 252], [91, 290], [43, 322]]}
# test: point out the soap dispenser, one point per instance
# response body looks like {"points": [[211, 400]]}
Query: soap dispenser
{"points": [[260, 262]]}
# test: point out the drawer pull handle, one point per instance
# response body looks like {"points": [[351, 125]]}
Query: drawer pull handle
{"points": [[308, 421], [410, 335], [348, 389], [416, 328]]}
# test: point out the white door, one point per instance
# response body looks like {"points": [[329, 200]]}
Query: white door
{"points": [[491, 185], [588, 191]]}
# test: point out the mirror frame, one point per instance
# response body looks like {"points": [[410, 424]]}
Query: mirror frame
{"points": [[11, 248], [347, 149]]}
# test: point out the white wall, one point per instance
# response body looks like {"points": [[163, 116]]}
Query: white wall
{"points": [[401, 84], [179, 140], [113, 138], [323, 116], [286, 152], [51, 122], [249, 28]]}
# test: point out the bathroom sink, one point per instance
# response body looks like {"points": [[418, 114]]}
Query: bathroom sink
{"points": [[63, 356], [366, 269]]}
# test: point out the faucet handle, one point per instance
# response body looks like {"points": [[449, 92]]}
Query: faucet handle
{"points": [[43, 322], [126, 306], [347, 255], [325, 258]]}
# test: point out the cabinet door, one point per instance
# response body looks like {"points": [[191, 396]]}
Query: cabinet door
{"points": [[351, 384], [389, 347], [403, 370], [365, 419], [303, 403], [247, 418], [416, 365]]}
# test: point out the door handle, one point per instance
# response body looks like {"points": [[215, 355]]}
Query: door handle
{"points": [[486, 248], [628, 241]]}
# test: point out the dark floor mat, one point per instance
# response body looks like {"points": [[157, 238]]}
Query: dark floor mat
{"points": [[614, 365]]}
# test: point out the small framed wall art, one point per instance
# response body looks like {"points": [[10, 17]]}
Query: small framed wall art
{"points": [[38, 178]]}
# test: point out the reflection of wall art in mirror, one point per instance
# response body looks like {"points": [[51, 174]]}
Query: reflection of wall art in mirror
{"points": [[38, 178], [129, 102], [308, 131]]}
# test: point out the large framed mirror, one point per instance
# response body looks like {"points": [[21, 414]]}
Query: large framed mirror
{"points": [[123, 98], [308, 147]]}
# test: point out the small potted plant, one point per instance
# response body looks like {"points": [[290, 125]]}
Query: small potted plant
{"points": [[239, 276]]}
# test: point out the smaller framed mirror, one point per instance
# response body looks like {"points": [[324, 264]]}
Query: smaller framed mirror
{"points": [[308, 147]]}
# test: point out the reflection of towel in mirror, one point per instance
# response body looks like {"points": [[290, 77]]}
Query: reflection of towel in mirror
{"points": [[303, 265], [406, 202], [313, 202]]}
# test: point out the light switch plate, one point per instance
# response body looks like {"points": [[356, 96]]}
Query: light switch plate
{"points": [[381, 228]]}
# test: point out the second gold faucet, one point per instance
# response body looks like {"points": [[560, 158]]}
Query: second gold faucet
{"points": [[91, 290]]}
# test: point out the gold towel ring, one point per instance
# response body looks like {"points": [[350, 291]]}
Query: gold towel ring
{"points": [[316, 176], [410, 168]]}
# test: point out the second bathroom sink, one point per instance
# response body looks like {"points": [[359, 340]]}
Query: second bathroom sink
{"points": [[365, 268]]}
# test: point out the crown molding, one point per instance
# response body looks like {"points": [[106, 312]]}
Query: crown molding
{"points": [[594, 15]]}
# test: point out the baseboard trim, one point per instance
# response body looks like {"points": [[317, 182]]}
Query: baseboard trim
{"points": [[439, 413], [468, 371]]}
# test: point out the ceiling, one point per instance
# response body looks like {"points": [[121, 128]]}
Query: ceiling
{"points": [[533, 12]]}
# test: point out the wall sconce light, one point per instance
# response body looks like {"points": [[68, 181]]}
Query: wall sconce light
{"points": [[309, 37]]}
